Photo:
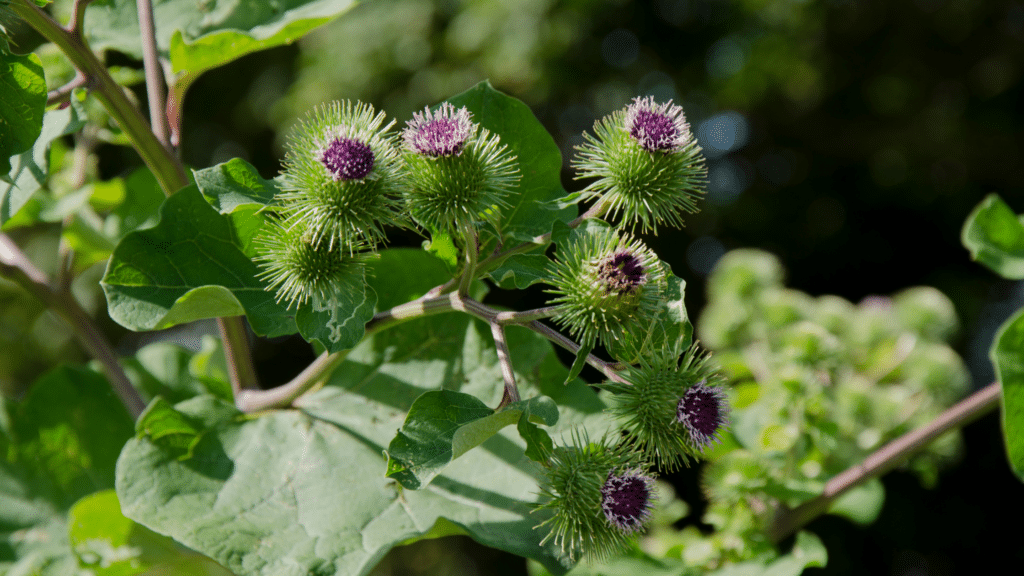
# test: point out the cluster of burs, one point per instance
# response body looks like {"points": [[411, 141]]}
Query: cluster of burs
{"points": [[348, 175]]}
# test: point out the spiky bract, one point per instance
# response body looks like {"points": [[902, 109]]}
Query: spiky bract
{"points": [[605, 283], [648, 166], [343, 174], [582, 483], [649, 406], [301, 270], [447, 191]]}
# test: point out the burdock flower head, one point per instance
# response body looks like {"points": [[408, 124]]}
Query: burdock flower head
{"points": [[648, 165], [606, 284], [672, 408], [300, 269], [458, 172], [343, 174], [598, 495]]}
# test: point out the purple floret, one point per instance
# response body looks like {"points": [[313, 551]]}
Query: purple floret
{"points": [[347, 159]]}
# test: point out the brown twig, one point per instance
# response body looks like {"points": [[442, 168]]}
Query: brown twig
{"points": [[884, 459]]}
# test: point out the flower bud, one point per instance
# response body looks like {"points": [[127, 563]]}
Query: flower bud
{"points": [[671, 409], [458, 173], [647, 164], [343, 174], [302, 270], [605, 284], [598, 498]]}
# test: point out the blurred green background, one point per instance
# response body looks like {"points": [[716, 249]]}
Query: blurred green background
{"points": [[850, 138]]}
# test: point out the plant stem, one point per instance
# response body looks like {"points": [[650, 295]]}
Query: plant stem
{"points": [[63, 92], [155, 89], [472, 250], [15, 265], [511, 393], [255, 400], [169, 172], [526, 316], [606, 368], [249, 401], [235, 335], [787, 522], [159, 158]]}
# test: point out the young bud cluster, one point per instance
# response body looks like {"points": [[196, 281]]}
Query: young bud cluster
{"points": [[346, 178], [598, 497], [647, 164]]}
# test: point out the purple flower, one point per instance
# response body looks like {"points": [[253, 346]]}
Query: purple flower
{"points": [[347, 159], [440, 133], [622, 272], [657, 127], [627, 500], [704, 411]]}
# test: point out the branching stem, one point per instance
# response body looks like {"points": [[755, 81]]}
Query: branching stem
{"points": [[155, 89], [511, 393], [320, 369], [884, 459], [165, 166], [15, 265]]}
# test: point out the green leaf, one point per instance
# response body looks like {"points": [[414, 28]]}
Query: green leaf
{"points": [[22, 101], [168, 429], [1007, 356], [235, 183], [340, 325], [108, 544], [862, 504], [162, 369], [995, 237], [198, 36], [57, 444], [538, 443], [443, 425], [315, 500], [521, 271], [191, 266], [540, 161], [29, 170], [579, 362]]}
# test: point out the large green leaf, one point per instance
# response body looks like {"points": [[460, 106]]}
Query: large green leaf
{"points": [[201, 34], [443, 425], [315, 500], [58, 444], [995, 237], [1007, 355], [29, 170], [540, 161], [22, 100], [192, 265]]}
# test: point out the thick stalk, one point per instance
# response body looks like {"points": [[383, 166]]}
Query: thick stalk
{"points": [[17, 267], [511, 393], [168, 170], [235, 335], [155, 89], [884, 459]]}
